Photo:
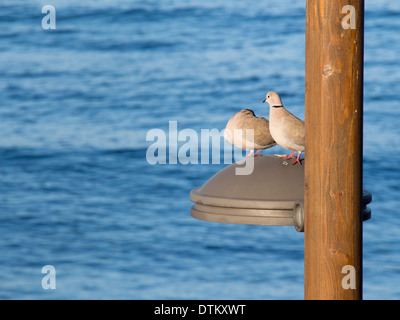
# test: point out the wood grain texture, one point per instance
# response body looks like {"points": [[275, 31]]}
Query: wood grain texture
{"points": [[333, 170]]}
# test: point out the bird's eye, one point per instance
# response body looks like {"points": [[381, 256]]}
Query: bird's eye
{"points": [[269, 97]]}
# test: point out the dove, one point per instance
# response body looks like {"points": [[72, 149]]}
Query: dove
{"points": [[237, 132], [286, 129]]}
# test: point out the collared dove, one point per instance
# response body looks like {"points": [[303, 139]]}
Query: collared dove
{"points": [[246, 131], [287, 130]]}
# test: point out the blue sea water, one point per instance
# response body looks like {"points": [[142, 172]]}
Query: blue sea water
{"points": [[76, 191]]}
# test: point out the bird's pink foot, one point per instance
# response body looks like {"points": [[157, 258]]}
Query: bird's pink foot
{"points": [[290, 156], [297, 159], [250, 154], [255, 154]]}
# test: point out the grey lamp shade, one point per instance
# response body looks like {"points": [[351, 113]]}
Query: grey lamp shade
{"points": [[272, 194], [267, 196]]}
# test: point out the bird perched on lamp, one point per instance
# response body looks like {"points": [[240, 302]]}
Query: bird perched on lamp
{"points": [[246, 131], [286, 129]]}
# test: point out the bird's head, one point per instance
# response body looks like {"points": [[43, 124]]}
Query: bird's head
{"points": [[273, 99]]}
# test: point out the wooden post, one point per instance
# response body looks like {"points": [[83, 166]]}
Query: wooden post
{"points": [[333, 168]]}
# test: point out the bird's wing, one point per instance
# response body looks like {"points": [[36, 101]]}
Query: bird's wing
{"points": [[294, 130], [262, 135]]}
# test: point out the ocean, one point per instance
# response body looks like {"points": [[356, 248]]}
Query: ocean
{"points": [[77, 191]]}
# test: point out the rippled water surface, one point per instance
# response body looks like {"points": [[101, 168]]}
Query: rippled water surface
{"points": [[76, 191]]}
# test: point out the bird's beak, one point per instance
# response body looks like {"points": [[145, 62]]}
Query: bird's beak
{"points": [[265, 100]]}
